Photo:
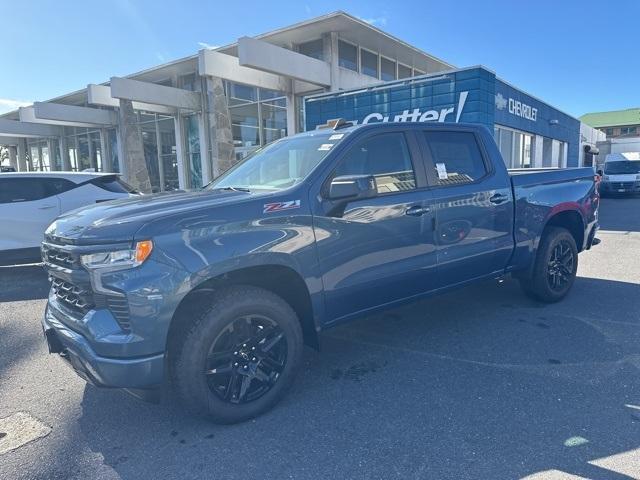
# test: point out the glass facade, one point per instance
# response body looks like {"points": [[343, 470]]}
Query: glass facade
{"points": [[347, 55], [258, 116]]}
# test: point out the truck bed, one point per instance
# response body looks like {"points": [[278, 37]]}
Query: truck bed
{"points": [[522, 177]]}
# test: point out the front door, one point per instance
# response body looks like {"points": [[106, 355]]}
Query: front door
{"points": [[473, 206], [379, 250]]}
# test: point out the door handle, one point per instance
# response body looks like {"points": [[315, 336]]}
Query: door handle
{"points": [[498, 199], [46, 207], [417, 211]]}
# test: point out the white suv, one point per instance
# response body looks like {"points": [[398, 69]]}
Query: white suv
{"points": [[29, 202]]}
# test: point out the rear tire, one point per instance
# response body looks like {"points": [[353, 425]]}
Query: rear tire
{"points": [[555, 266], [238, 359]]}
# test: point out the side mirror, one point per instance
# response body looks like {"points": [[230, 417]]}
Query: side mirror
{"points": [[352, 187]]}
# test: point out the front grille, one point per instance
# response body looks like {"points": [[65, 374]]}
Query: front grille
{"points": [[75, 298], [59, 257], [622, 184], [74, 291]]}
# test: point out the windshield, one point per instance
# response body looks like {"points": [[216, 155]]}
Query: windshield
{"points": [[622, 168], [280, 164]]}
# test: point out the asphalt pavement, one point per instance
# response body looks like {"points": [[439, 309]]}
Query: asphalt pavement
{"points": [[480, 383]]}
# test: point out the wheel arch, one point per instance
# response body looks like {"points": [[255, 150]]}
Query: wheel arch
{"points": [[571, 220], [282, 280]]}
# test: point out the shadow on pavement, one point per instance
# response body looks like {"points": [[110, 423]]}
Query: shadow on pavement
{"points": [[480, 383], [620, 214], [18, 283]]}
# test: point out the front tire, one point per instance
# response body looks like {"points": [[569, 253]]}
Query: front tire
{"points": [[238, 359], [556, 264]]}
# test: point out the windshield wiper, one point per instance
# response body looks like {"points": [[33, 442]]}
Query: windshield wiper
{"points": [[235, 189]]}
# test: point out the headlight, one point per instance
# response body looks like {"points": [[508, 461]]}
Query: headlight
{"points": [[118, 259]]}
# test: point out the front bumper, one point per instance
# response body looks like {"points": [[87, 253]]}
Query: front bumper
{"points": [[620, 188], [137, 373]]}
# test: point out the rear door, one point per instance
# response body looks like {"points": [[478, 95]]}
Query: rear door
{"points": [[473, 206], [27, 207], [379, 250]]}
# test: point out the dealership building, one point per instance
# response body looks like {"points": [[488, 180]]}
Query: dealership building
{"points": [[181, 124]]}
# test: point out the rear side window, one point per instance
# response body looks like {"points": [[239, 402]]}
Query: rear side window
{"points": [[55, 186], [384, 156], [15, 190], [113, 184], [456, 157]]}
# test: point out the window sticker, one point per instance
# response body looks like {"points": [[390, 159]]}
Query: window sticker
{"points": [[336, 136], [325, 146], [442, 171]]}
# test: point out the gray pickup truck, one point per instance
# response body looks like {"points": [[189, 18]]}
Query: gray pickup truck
{"points": [[215, 291]]}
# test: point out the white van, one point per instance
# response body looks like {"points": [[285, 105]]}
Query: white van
{"points": [[620, 173]]}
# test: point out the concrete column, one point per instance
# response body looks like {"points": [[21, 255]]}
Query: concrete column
{"points": [[22, 155], [220, 134], [64, 153], [159, 154], [92, 159], [182, 161], [292, 116], [53, 166], [137, 172], [13, 157], [331, 56], [105, 154]]}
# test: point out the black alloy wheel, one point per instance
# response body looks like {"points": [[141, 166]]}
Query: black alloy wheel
{"points": [[560, 268], [246, 359]]}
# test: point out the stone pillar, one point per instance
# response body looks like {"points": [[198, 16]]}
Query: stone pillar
{"points": [[220, 134], [13, 157], [330, 49], [137, 172], [22, 155]]}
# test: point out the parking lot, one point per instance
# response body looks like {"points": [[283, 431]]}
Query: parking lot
{"points": [[481, 383]]}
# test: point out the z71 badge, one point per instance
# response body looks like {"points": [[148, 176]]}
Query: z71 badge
{"points": [[280, 206]]}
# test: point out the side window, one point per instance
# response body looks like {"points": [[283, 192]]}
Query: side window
{"points": [[56, 186], [113, 183], [456, 157], [14, 190], [384, 156]]}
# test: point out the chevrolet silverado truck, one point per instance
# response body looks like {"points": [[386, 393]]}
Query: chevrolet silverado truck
{"points": [[214, 292]]}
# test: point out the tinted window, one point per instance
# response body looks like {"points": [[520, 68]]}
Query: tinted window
{"points": [[404, 71], [313, 49], [55, 186], [386, 157], [456, 157], [13, 190], [387, 69], [347, 55], [113, 184], [368, 63]]}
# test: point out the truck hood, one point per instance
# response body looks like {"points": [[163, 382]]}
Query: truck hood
{"points": [[118, 220]]}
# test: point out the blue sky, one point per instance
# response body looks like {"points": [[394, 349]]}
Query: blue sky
{"points": [[578, 55]]}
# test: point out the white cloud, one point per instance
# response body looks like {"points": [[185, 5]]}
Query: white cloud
{"points": [[8, 105], [377, 21], [208, 46]]}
